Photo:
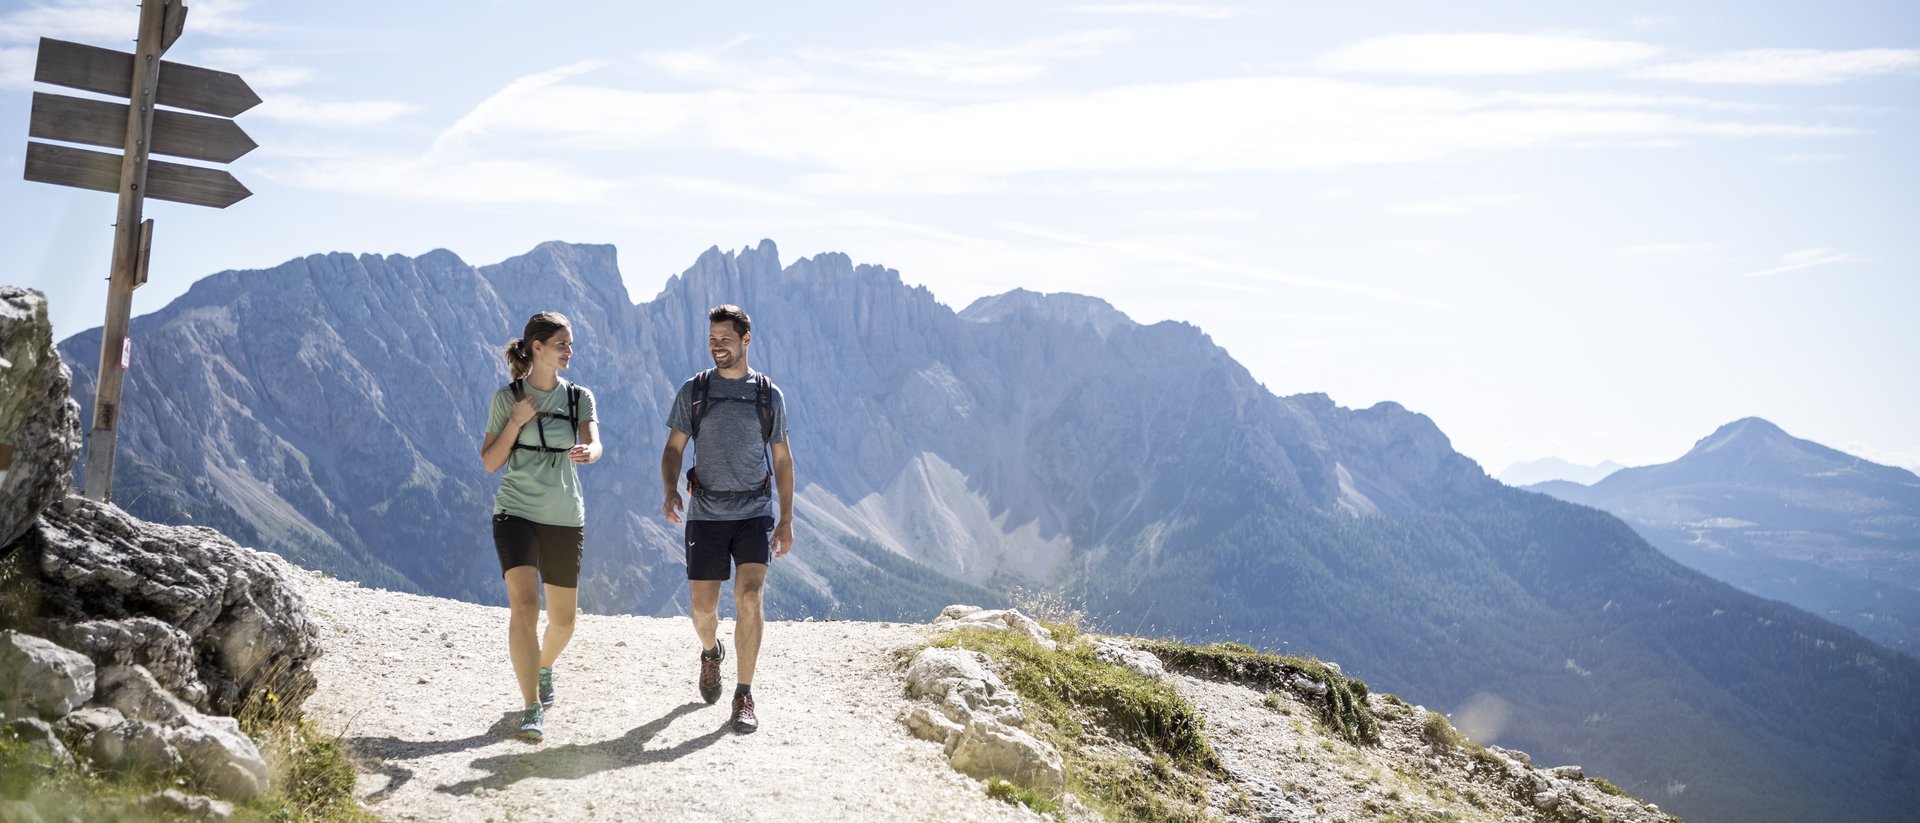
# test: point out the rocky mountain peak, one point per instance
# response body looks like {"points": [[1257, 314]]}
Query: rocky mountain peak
{"points": [[1747, 432], [1059, 307]]}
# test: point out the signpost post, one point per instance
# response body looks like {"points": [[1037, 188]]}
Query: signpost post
{"points": [[137, 128]]}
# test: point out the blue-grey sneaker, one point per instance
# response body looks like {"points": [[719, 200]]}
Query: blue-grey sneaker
{"points": [[533, 724], [546, 687]]}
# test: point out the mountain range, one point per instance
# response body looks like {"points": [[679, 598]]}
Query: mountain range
{"points": [[1530, 472], [331, 409], [1784, 518]]}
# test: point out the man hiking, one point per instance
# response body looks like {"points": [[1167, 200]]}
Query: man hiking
{"points": [[738, 419]]}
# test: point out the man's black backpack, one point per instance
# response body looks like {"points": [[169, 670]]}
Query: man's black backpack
{"points": [[519, 389], [702, 401]]}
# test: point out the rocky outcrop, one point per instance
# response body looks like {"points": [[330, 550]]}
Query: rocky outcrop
{"points": [[122, 632], [975, 716], [39, 421], [207, 621], [997, 620]]}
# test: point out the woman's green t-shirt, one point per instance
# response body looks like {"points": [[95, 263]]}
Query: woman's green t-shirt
{"points": [[543, 487]]}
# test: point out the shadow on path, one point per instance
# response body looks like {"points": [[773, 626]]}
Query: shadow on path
{"points": [[377, 754], [575, 760]]}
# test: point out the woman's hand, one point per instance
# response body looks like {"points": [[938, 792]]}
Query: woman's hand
{"points": [[584, 453], [522, 411]]}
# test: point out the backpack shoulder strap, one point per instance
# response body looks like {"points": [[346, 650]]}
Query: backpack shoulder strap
{"points": [[763, 402], [573, 409], [702, 385]]}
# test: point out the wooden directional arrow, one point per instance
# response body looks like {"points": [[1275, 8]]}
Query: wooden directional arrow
{"points": [[109, 72], [63, 166], [174, 25], [100, 123]]}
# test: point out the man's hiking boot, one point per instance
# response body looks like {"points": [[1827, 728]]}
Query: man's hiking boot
{"points": [[546, 687], [533, 724], [744, 720], [710, 673]]}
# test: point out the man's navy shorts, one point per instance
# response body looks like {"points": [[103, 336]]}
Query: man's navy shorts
{"points": [[714, 547]]}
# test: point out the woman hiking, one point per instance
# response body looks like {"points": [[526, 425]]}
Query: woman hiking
{"points": [[541, 427]]}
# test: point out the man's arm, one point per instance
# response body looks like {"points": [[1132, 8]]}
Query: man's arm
{"points": [[783, 478], [670, 474]]}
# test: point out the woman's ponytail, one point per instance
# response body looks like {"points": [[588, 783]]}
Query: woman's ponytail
{"points": [[519, 358]]}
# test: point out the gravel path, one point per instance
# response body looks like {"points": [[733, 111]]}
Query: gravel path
{"points": [[421, 690]]}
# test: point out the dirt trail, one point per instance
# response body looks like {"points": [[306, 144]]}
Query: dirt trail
{"points": [[421, 690]]}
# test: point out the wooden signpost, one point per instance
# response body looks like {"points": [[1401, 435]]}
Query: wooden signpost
{"points": [[137, 128]]}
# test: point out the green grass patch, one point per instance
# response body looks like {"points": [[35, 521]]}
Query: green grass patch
{"points": [[1015, 795], [1441, 734], [1343, 708], [56, 791], [313, 774], [313, 779], [1607, 786], [1072, 699]]}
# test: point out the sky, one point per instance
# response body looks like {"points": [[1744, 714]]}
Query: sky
{"points": [[1591, 231]]}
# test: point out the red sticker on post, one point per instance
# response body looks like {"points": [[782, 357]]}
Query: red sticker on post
{"points": [[126, 352]]}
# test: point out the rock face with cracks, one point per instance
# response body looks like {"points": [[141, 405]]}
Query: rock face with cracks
{"points": [[211, 622], [39, 422], [123, 632]]}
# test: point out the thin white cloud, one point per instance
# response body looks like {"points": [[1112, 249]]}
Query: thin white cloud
{"points": [[471, 181], [1484, 53], [1188, 10], [734, 191], [1808, 157], [1656, 250], [1805, 259], [258, 66], [101, 22], [973, 63], [1216, 214], [114, 23], [346, 114], [1271, 124], [1187, 259], [1453, 206], [712, 66], [16, 68], [1614, 100], [1788, 67]]}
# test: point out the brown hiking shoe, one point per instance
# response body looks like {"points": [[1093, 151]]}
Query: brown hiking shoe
{"points": [[744, 720], [710, 673]]}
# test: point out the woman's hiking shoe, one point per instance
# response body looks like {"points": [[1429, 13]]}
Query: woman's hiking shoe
{"points": [[546, 686], [710, 672], [533, 724], [744, 720]]}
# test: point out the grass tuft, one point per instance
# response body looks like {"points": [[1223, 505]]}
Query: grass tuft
{"points": [[1343, 708], [1082, 706], [313, 774], [1016, 795]]}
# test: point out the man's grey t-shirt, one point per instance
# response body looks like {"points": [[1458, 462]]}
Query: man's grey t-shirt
{"points": [[729, 454]]}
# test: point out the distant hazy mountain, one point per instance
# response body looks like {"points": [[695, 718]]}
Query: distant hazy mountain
{"points": [[332, 408], [1529, 472], [1784, 518]]}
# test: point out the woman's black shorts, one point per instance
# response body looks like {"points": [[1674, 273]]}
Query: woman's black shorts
{"points": [[553, 550]]}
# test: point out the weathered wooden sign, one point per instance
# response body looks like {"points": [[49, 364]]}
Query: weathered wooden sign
{"points": [[137, 128]]}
